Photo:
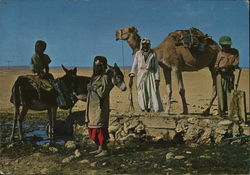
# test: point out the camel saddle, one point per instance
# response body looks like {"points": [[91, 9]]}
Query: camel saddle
{"points": [[193, 39]]}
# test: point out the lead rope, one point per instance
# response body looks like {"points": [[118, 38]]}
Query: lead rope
{"points": [[131, 107], [123, 59], [130, 96]]}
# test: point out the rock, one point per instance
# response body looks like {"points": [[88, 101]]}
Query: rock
{"points": [[104, 163], [225, 122], [236, 130], [155, 165], [10, 145], [44, 171], [53, 149], [140, 128], [122, 165], [188, 152], [114, 128], [193, 145], [93, 164], [193, 120], [129, 136], [46, 145], [77, 153], [169, 156], [84, 161], [182, 125], [171, 135], [205, 138], [68, 159], [179, 157], [70, 145]]}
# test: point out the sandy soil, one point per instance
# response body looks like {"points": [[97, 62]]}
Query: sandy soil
{"points": [[198, 87]]}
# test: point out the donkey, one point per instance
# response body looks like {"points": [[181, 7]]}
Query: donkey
{"points": [[25, 95], [80, 89]]}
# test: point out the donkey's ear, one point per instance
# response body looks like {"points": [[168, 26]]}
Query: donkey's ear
{"points": [[64, 68], [115, 65], [75, 70]]}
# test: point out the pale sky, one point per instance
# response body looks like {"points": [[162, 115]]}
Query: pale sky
{"points": [[78, 30]]}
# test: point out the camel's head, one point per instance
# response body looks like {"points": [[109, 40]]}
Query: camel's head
{"points": [[124, 33]]}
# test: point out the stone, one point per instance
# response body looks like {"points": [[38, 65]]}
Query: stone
{"points": [[70, 145], [159, 122], [221, 130], [10, 145], [182, 125], [155, 165], [46, 145], [179, 157], [225, 122], [192, 133], [193, 145], [171, 134], [114, 128], [128, 137], [53, 149], [169, 156], [205, 137], [68, 159], [140, 128], [236, 130], [188, 152], [104, 163], [77, 153], [84, 161], [193, 120], [93, 164], [44, 171]]}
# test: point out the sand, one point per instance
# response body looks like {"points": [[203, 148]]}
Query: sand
{"points": [[198, 87]]}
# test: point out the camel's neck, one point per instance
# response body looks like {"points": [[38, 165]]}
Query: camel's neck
{"points": [[134, 42]]}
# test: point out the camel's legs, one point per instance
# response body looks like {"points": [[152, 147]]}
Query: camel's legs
{"points": [[16, 115], [167, 76], [181, 88], [214, 93], [20, 121]]}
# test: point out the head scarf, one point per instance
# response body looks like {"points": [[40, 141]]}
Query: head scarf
{"points": [[101, 67], [145, 41]]}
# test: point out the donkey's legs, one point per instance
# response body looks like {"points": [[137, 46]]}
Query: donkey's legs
{"points": [[214, 93], [16, 114], [179, 78], [52, 117], [20, 121], [167, 76]]}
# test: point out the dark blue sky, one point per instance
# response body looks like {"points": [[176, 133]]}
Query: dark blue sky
{"points": [[78, 30]]}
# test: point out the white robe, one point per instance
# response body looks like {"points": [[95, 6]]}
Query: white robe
{"points": [[147, 72]]}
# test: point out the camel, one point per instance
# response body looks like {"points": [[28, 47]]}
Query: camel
{"points": [[174, 57]]}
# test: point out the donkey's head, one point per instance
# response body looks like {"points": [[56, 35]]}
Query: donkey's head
{"points": [[117, 77], [70, 77]]}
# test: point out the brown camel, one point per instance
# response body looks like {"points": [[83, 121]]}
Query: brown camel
{"points": [[174, 56]]}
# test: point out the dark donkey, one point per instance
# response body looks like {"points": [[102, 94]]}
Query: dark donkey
{"points": [[80, 90], [26, 95]]}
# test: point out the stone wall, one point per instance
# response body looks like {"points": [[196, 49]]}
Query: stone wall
{"points": [[173, 128]]}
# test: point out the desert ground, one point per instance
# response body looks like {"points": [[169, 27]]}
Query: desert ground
{"points": [[34, 156], [198, 87]]}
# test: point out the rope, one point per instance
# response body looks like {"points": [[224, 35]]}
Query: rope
{"points": [[131, 104], [123, 64]]}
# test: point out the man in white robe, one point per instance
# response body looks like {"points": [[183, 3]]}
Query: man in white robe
{"points": [[146, 67]]}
